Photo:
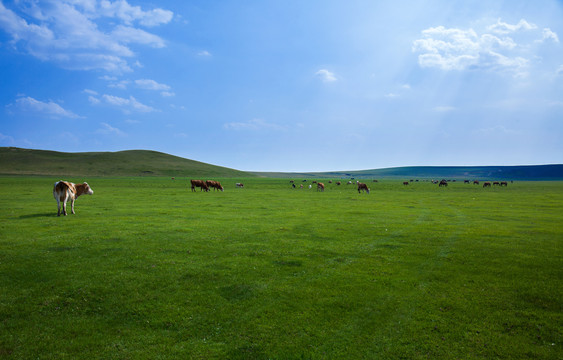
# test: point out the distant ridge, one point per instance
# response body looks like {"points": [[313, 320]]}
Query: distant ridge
{"points": [[524, 172], [18, 161]]}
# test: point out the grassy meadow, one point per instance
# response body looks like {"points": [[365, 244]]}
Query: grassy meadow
{"points": [[147, 269]]}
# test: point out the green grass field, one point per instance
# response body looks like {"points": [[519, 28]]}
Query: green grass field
{"points": [[146, 269]]}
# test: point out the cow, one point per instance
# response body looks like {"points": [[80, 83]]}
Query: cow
{"points": [[239, 185], [486, 184], [476, 182], [362, 186], [466, 181], [443, 183], [200, 184], [496, 183], [64, 191], [320, 186], [216, 185], [405, 183], [503, 183], [338, 183]]}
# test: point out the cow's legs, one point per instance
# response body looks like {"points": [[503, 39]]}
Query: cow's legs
{"points": [[72, 206], [58, 207], [64, 207]]}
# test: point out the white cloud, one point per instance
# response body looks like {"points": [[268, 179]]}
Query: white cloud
{"points": [[50, 108], [499, 48], [325, 75], [148, 84], [129, 34], [122, 10], [93, 100], [167, 94], [559, 70], [254, 124], [204, 53], [549, 35], [127, 105], [505, 28], [81, 34]]}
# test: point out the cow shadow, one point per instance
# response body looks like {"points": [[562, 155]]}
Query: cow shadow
{"points": [[40, 215]]}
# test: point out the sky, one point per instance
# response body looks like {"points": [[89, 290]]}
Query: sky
{"points": [[293, 85]]}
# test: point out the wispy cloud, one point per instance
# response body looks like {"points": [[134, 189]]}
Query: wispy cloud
{"points": [[326, 76], [49, 108], [148, 84], [107, 129], [500, 47], [71, 33], [204, 53], [127, 105], [254, 124]]}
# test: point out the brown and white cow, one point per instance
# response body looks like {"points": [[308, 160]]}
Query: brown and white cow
{"points": [[320, 186], [64, 191], [362, 186], [200, 184], [239, 185], [216, 185]]}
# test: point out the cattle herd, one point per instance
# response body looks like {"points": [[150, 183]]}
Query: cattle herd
{"points": [[64, 191]]}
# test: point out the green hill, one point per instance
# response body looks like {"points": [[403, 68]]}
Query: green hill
{"points": [[17, 161]]}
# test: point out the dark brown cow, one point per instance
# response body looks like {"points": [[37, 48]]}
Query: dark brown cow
{"points": [[362, 187], [496, 183], [476, 182], [216, 185], [405, 183], [486, 184], [64, 191], [320, 186], [338, 183], [503, 183], [200, 184], [443, 183]]}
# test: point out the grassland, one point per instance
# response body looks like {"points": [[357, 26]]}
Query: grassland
{"points": [[147, 269]]}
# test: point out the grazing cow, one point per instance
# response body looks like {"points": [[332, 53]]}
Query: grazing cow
{"points": [[291, 181], [466, 181], [375, 181], [476, 182], [486, 184], [320, 186], [301, 186], [338, 183], [496, 183], [200, 184], [293, 186], [503, 183], [64, 191], [216, 185], [330, 181], [239, 185], [405, 182], [443, 183], [362, 186], [349, 183]]}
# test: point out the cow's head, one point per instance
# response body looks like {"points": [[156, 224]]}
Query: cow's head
{"points": [[87, 189]]}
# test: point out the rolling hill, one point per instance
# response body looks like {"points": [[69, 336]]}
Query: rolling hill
{"points": [[18, 161]]}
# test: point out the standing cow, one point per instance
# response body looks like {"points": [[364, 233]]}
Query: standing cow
{"points": [[64, 191], [443, 183], [320, 186]]}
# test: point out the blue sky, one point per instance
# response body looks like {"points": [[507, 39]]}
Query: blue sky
{"points": [[287, 85]]}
